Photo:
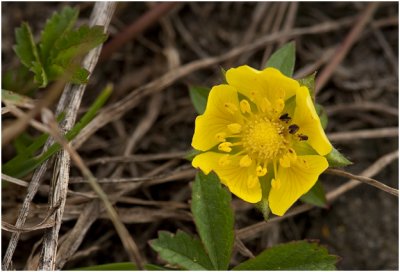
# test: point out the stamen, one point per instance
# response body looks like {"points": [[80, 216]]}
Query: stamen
{"points": [[235, 128], [284, 161], [276, 184], [220, 136], [265, 105], [245, 161], [261, 171], [225, 146], [245, 106], [303, 137], [285, 118]]}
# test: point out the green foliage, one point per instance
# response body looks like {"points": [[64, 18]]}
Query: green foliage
{"points": [[24, 163], [127, 266], [214, 218], [309, 82], [298, 255], [284, 59], [337, 159], [59, 49], [199, 96], [182, 250], [316, 196], [191, 154], [323, 117]]}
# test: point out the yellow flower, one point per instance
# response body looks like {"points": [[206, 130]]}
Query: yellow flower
{"points": [[261, 123]]}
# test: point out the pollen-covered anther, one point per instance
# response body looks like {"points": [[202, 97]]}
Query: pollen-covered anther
{"points": [[245, 161], [245, 106], [231, 108], [220, 136], [224, 161], [261, 171], [276, 184], [235, 128], [225, 146]]}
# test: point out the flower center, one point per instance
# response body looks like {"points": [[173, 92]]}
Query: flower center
{"points": [[263, 139]]}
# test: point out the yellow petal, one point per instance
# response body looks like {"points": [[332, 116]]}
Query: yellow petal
{"points": [[309, 124], [220, 112], [241, 181], [295, 181], [257, 85]]}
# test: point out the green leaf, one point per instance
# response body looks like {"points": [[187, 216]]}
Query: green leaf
{"points": [[153, 267], [214, 220], [299, 255], [191, 154], [199, 96], [25, 48], [309, 82], [182, 250], [75, 43], [283, 59], [111, 266], [316, 196], [323, 117], [59, 24], [80, 76], [27, 52], [337, 159]]}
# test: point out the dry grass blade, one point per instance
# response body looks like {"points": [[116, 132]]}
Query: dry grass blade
{"points": [[364, 134], [127, 241], [369, 181]]}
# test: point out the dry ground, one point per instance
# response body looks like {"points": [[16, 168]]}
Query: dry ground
{"points": [[148, 140]]}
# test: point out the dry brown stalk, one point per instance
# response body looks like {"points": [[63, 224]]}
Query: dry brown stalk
{"points": [[363, 134]]}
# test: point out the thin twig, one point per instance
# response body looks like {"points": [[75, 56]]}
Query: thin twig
{"points": [[369, 181], [70, 102], [344, 48], [364, 134], [136, 28]]}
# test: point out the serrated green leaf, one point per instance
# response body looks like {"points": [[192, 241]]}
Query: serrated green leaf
{"points": [[111, 266], [214, 220], [199, 96], [182, 250], [284, 59], [25, 47], [59, 24], [309, 82], [299, 255], [316, 196], [337, 159], [27, 52], [40, 74], [75, 43]]}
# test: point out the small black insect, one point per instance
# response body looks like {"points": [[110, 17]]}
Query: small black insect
{"points": [[285, 117], [293, 129], [303, 137]]}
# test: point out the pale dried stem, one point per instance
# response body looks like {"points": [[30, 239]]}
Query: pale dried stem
{"points": [[369, 181], [129, 244], [363, 134]]}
